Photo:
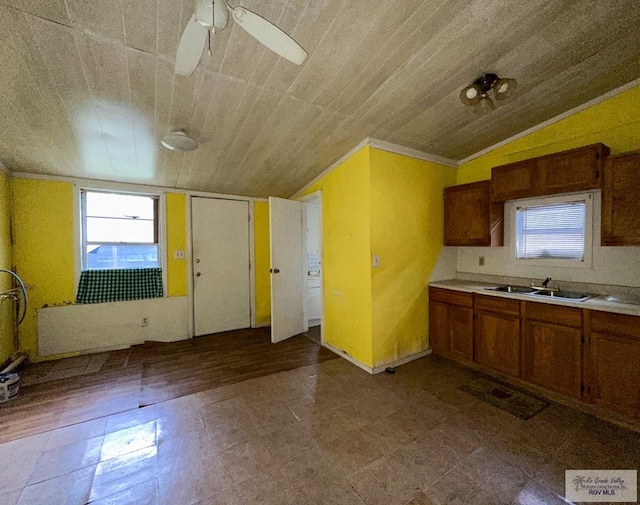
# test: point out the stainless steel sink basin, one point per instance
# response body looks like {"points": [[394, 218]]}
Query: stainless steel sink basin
{"points": [[566, 295], [524, 290], [512, 289]]}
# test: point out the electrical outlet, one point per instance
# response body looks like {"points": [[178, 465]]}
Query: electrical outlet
{"points": [[480, 261], [145, 321], [179, 255]]}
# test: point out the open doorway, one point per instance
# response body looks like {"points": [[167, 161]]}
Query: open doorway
{"points": [[313, 292]]}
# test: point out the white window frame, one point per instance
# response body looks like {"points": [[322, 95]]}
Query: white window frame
{"points": [[118, 188], [510, 216]]}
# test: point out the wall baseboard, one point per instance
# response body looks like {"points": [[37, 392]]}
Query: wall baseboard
{"points": [[402, 361], [350, 359], [380, 368]]}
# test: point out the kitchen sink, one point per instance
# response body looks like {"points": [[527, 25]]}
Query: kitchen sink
{"points": [[524, 290], [512, 289], [567, 295]]}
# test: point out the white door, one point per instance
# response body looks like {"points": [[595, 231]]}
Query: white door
{"points": [[221, 269], [287, 272]]}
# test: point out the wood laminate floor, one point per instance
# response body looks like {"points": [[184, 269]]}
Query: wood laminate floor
{"points": [[65, 392]]}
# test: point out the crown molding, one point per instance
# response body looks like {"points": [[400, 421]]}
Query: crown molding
{"points": [[124, 186], [4, 169], [364, 142], [383, 146], [412, 153], [553, 120]]}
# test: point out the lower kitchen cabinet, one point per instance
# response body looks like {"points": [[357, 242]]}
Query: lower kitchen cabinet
{"points": [[461, 328], [439, 326], [614, 362], [553, 348], [451, 323], [583, 354], [497, 334]]}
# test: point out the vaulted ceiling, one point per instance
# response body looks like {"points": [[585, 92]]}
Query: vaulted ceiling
{"points": [[87, 87]]}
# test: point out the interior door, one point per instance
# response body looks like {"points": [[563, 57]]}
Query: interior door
{"points": [[287, 271], [221, 269]]}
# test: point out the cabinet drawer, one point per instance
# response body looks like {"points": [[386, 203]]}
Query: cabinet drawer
{"points": [[451, 296], [556, 314], [497, 304], [620, 324]]}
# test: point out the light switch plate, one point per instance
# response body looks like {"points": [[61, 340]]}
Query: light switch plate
{"points": [[376, 261]]}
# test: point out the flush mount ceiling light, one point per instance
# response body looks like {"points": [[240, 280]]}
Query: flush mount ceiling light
{"points": [[477, 94], [179, 141]]}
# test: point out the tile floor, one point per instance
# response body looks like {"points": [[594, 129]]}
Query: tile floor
{"points": [[321, 434]]}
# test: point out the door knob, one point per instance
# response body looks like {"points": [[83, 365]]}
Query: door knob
{"points": [[198, 274], [274, 270]]}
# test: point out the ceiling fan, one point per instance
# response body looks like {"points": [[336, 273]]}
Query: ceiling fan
{"points": [[212, 16]]}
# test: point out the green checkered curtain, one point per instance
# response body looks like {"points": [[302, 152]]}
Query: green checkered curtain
{"points": [[116, 285]]}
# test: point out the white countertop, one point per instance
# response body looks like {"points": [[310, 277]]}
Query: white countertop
{"points": [[596, 303]]}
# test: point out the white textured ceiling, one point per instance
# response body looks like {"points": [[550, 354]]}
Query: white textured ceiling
{"points": [[87, 87]]}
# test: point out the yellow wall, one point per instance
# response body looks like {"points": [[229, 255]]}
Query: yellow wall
{"points": [[44, 247], [407, 221], [6, 263], [346, 260], [176, 241], [614, 122], [262, 263]]}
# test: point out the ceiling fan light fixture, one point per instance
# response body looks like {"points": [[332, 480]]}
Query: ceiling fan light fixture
{"points": [[504, 88], [179, 141], [470, 95], [484, 105], [477, 93]]}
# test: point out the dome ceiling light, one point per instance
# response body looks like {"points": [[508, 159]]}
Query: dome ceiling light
{"points": [[477, 94], [179, 141]]}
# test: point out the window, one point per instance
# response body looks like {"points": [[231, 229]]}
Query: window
{"points": [[119, 231], [553, 231]]}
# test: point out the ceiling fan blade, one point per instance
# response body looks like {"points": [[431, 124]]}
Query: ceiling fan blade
{"points": [[190, 48], [269, 35]]}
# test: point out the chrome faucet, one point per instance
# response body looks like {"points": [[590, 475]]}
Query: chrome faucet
{"points": [[545, 286]]}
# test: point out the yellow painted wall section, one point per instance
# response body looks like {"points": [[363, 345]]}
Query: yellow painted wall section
{"points": [[176, 241], [6, 263], [346, 259], [614, 122], [262, 262], [407, 221], [44, 248]]}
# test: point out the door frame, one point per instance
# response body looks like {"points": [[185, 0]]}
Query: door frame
{"points": [[189, 258], [313, 197]]}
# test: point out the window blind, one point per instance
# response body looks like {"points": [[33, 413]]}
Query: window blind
{"points": [[551, 231]]}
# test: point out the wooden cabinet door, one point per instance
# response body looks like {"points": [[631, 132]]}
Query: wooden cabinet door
{"points": [[470, 219], [461, 332], [621, 200], [615, 372], [439, 326], [497, 342], [553, 357], [574, 170], [513, 181]]}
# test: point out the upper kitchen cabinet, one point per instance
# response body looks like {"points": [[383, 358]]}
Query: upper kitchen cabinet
{"points": [[621, 200], [513, 181], [575, 170], [470, 217], [565, 172]]}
